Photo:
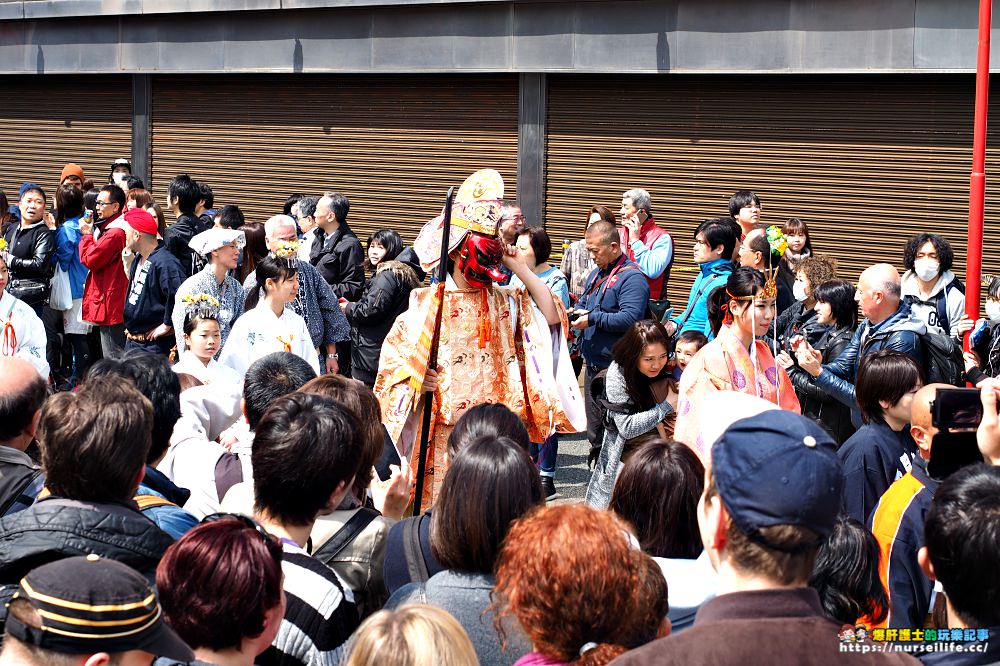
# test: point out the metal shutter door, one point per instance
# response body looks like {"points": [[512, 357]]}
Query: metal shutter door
{"points": [[866, 161], [48, 121], [393, 145]]}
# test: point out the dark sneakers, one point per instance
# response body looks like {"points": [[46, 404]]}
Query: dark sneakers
{"points": [[549, 488]]}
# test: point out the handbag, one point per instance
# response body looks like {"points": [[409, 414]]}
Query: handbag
{"points": [[61, 296]]}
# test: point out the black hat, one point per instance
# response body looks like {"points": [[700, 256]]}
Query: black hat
{"points": [[92, 604]]}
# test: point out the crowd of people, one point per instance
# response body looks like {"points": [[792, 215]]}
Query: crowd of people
{"points": [[211, 448]]}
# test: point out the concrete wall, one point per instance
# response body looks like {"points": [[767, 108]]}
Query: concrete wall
{"points": [[644, 36]]}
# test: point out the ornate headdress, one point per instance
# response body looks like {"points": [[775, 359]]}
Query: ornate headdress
{"points": [[778, 243], [287, 250], [203, 306], [3, 245]]}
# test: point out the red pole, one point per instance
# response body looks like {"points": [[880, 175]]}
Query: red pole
{"points": [[977, 185]]}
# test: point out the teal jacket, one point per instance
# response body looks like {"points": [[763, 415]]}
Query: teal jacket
{"points": [[695, 318]]}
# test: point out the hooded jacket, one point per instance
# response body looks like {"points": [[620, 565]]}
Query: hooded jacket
{"points": [[55, 528], [901, 332], [947, 298], [386, 295], [713, 274]]}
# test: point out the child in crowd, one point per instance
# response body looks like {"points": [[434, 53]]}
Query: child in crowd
{"points": [[202, 337], [799, 247], [268, 326], [688, 344], [984, 359]]}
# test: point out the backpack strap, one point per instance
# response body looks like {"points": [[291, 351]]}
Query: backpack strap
{"points": [[413, 553], [24, 496], [361, 519], [151, 501], [942, 303]]}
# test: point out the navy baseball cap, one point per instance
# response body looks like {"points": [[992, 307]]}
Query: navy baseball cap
{"points": [[778, 468]]}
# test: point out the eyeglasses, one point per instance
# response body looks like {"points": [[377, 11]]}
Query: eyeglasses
{"points": [[103, 203], [247, 521]]}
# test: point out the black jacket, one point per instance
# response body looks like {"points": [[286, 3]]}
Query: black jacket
{"points": [[795, 320], [55, 528], [31, 262], [339, 259], [385, 297], [817, 404], [873, 458], [178, 235]]}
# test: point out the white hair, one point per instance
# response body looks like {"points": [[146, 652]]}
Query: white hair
{"points": [[640, 199], [275, 222]]}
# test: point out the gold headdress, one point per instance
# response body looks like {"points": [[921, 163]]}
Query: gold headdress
{"points": [[200, 305], [287, 250], [778, 243]]}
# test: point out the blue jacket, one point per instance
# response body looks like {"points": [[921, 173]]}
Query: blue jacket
{"points": [[713, 274], [873, 458], [900, 332], [615, 298], [67, 255], [170, 518]]}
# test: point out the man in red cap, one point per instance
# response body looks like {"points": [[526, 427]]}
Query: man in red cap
{"points": [[101, 246], [153, 281]]}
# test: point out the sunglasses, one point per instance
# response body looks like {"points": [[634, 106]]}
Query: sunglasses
{"points": [[247, 521]]}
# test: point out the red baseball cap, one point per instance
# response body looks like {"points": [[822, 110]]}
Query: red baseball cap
{"points": [[141, 221]]}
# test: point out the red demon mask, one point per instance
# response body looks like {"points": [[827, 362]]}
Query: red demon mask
{"points": [[479, 260]]}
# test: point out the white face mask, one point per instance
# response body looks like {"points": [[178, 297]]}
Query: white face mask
{"points": [[120, 179], [993, 310], [799, 291], [926, 269]]}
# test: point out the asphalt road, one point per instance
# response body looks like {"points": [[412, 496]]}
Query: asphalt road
{"points": [[572, 474]]}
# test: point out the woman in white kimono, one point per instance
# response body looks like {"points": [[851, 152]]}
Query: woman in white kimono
{"points": [[23, 334], [267, 326], [202, 339]]}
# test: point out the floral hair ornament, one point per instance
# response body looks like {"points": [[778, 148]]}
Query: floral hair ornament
{"points": [[778, 243], [203, 306], [289, 251], [3, 245]]}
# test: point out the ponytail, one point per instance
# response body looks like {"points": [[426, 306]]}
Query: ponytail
{"points": [[717, 300]]}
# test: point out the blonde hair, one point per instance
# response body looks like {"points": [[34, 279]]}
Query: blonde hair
{"points": [[411, 635]]}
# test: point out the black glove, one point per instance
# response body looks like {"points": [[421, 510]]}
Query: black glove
{"points": [[595, 452]]}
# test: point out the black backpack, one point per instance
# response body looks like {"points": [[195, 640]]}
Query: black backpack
{"points": [[943, 361]]}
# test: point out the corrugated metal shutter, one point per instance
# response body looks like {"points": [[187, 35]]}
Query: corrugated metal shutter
{"points": [[48, 121], [392, 145], [865, 161]]}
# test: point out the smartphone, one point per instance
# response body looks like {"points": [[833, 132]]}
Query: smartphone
{"points": [[642, 217], [956, 409]]}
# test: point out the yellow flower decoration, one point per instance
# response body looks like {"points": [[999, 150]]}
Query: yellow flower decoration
{"points": [[286, 249], [777, 240], [3, 245]]}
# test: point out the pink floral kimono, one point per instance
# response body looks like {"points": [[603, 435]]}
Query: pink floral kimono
{"points": [[725, 365]]}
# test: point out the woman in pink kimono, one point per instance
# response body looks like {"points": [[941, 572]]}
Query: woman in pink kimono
{"points": [[735, 360]]}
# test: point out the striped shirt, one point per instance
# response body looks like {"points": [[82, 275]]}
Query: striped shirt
{"points": [[320, 614]]}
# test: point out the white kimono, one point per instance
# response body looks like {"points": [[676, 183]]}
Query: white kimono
{"points": [[207, 374], [258, 333], [23, 334]]}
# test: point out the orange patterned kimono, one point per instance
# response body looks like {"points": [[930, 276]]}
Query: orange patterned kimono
{"points": [[495, 347], [724, 364]]}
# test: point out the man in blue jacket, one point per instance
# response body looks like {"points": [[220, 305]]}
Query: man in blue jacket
{"points": [[888, 325], [616, 296], [714, 242]]}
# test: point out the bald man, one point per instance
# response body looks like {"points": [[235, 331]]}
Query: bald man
{"points": [[22, 394], [898, 523], [888, 324]]}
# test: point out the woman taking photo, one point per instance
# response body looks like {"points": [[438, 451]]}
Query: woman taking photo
{"points": [[635, 411], [268, 326], [395, 273], [837, 315], [735, 360], [800, 317]]}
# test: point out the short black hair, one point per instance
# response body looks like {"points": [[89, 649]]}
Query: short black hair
{"points": [[230, 217], [719, 231], [307, 206], [134, 183], [962, 536], [993, 290], [741, 199], [269, 378], [839, 294], [116, 193], [696, 337], [207, 195], [884, 375], [17, 409], [946, 255], [540, 243], [340, 205], [186, 192], [152, 375], [303, 448], [289, 202]]}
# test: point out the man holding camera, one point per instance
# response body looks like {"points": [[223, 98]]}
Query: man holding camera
{"points": [[616, 296]]}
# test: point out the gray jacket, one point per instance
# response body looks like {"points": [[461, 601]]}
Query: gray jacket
{"points": [[466, 596], [602, 482]]}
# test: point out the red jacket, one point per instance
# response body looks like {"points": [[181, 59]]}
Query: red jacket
{"points": [[106, 286], [649, 233]]}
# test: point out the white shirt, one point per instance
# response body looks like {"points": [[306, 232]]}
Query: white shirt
{"points": [[206, 374], [22, 333], [258, 332]]}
